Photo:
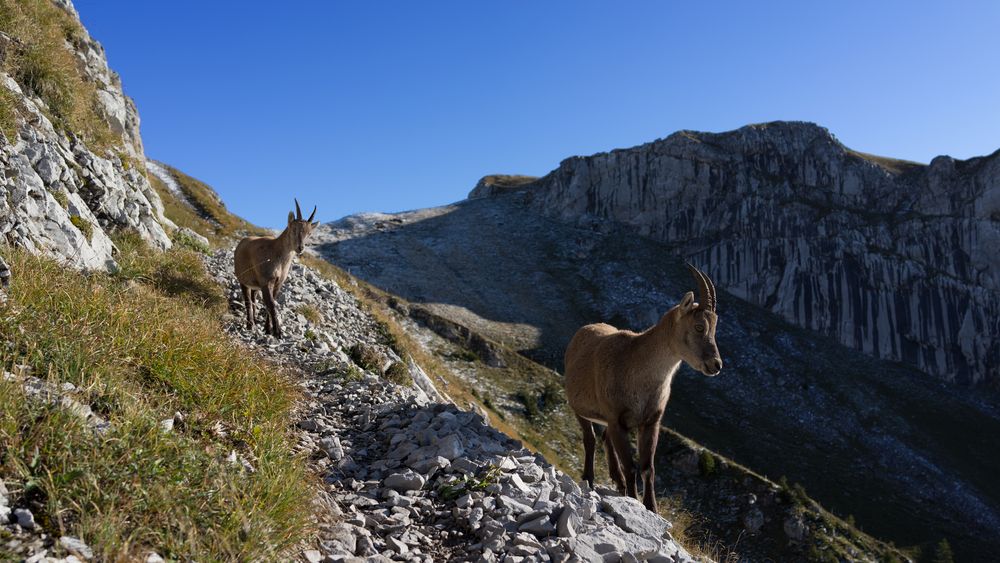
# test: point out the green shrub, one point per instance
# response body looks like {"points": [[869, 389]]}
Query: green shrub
{"points": [[366, 357], [706, 463], [530, 402], [943, 553], [399, 374], [311, 313], [553, 396], [185, 240]]}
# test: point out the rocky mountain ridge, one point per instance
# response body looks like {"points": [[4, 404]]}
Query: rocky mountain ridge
{"points": [[60, 195], [872, 438], [893, 258]]}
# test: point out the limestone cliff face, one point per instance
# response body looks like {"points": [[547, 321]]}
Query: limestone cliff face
{"points": [[59, 196], [897, 259]]}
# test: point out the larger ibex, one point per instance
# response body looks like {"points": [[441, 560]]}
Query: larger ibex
{"points": [[621, 379], [262, 264]]}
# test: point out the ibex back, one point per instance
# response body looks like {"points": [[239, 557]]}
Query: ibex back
{"points": [[622, 379], [262, 264]]}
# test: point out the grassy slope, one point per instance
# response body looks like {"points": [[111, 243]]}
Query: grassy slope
{"points": [[139, 346]]}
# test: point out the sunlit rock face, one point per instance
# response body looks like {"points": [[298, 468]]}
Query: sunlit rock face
{"points": [[61, 197], [897, 259]]}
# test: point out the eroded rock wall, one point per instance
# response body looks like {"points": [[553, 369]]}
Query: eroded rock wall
{"points": [[897, 259]]}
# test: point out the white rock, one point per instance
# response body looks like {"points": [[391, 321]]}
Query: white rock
{"points": [[76, 547], [408, 480]]}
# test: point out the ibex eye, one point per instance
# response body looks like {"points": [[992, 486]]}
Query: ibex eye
{"points": [[699, 328]]}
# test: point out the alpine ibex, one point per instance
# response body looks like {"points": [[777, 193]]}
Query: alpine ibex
{"points": [[621, 379], [262, 264]]}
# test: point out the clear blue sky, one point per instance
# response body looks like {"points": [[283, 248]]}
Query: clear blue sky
{"points": [[386, 106]]}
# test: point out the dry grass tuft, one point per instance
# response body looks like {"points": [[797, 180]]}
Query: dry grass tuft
{"points": [[38, 58]]}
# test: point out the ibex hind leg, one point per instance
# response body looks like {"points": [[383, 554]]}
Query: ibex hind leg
{"points": [[620, 442], [248, 305], [589, 444], [614, 464]]}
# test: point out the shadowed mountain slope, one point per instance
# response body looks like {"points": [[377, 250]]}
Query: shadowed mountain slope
{"points": [[908, 456]]}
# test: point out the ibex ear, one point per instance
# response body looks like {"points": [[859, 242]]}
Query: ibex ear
{"points": [[291, 217], [687, 303]]}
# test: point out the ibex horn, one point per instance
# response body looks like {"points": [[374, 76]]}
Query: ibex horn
{"points": [[313, 214], [705, 287], [298, 210]]}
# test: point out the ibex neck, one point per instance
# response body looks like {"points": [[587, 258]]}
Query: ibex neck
{"points": [[658, 340], [285, 242]]}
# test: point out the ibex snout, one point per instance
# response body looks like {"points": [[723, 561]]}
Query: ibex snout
{"points": [[712, 366]]}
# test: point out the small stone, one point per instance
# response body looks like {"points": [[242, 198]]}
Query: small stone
{"points": [[450, 447], [332, 447], [568, 523], [24, 518], [154, 557], [76, 547], [396, 545], [312, 555], [540, 526], [408, 480], [167, 425]]}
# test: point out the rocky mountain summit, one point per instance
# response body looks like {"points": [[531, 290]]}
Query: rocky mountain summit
{"points": [[897, 259], [61, 194], [410, 477]]}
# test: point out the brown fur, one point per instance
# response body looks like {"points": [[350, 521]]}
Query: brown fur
{"points": [[262, 265], [622, 379]]}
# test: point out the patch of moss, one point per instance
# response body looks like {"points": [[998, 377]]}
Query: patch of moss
{"points": [[62, 198], [83, 225]]}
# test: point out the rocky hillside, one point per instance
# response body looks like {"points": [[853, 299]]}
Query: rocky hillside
{"points": [[870, 438], [893, 258], [70, 154], [407, 476]]}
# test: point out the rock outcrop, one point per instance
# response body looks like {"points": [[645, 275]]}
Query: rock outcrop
{"points": [[58, 195], [893, 258]]}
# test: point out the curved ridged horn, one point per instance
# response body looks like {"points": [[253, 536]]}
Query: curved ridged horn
{"points": [[313, 214], [705, 287], [711, 289], [298, 210]]}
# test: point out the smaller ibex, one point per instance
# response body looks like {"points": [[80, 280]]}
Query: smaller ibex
{"points": [[621, 379], [262, 264]]}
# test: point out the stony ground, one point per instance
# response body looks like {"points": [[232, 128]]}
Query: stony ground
{"points": [[407, 477]]}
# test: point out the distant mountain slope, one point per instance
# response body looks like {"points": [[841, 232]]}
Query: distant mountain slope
{"points": [[909, 457], [894, 258]]}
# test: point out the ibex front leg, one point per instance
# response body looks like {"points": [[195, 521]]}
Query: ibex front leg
{"points": [[589, 443], [649, 435], [272, 310]]}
